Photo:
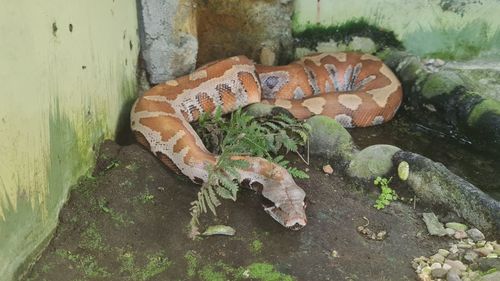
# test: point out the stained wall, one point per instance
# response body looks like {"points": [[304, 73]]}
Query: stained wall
{"points": [[68, 74]]}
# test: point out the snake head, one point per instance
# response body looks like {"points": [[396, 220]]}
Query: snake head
{"points": [[284, 199], [289, 210], [286, 203]]}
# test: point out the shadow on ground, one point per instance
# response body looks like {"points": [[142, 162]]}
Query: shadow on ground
{"points": [[129, 222]]}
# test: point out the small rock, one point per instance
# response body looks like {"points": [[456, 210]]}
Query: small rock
{"points": [[464, 245], [443, 252], [457, 226], [460, 234], [328, 169], [456, 265], [484, 251], [453, 276], [495, 276], [433, 225], [424, 277], [439, 272], [435, 265], [454, 256], [446, 266], [454, 249], [492, 256], [437, 258], [480, 244], [450, 232], [475, 234], [470, 256]]}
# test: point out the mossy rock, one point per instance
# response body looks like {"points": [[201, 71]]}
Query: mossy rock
{"points": [[329, 139], [484, 107], [435, 185], [373, 161], [441, 83]]}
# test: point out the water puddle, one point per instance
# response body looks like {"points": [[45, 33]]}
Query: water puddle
{"points": [[458, 155]]}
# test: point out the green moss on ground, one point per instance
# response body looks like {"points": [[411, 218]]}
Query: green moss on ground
{"points": [[311, 34]]}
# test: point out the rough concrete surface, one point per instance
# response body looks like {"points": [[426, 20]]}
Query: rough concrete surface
{"points": [[168, 38]]}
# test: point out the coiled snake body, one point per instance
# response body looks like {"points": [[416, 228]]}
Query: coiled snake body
{"points": [[356, 89]]}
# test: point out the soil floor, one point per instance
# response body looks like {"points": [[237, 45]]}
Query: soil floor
{"points": [[129, 221]]}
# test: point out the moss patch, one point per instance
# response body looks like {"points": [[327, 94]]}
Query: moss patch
{"points": [[488, 105], [155, 264], [310, 35], [267, 272], [92, 239], [192, 263], [256, 246]]}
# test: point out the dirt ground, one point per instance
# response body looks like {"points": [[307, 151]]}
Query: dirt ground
{"points": [[129, 222]]}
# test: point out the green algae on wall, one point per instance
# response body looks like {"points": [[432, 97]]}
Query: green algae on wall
{"points": [[67, 73], [311, 34], [427, 28]]}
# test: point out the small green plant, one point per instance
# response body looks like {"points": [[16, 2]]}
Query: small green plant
{"points": [[387, 194], [242, 134]]}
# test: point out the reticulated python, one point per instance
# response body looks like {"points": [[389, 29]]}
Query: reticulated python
{"points": [[355, 89]]}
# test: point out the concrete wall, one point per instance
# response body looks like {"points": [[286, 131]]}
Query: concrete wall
{"points": [[443, 28], [168, 38], [67, 72]]}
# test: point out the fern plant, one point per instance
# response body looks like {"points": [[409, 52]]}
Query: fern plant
{"points": [[242, 134]]}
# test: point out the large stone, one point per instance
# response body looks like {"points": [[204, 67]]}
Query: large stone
{"points": [[486, 264], [434, 184], [373, 161], [329, 139], [168, 38], [495, 276]]}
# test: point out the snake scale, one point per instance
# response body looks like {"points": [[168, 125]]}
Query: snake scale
{"points": [[356, 89]]}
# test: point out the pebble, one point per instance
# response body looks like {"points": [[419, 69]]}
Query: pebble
{"points": [[470, 256], [475, 234], [453, 276], [443, 252], [484, 251], [450, 231], [437, 258], [435, 265], [456, 265], [456, 226], [460, 234], [439, 272], [328, 169], [424, 277]]}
